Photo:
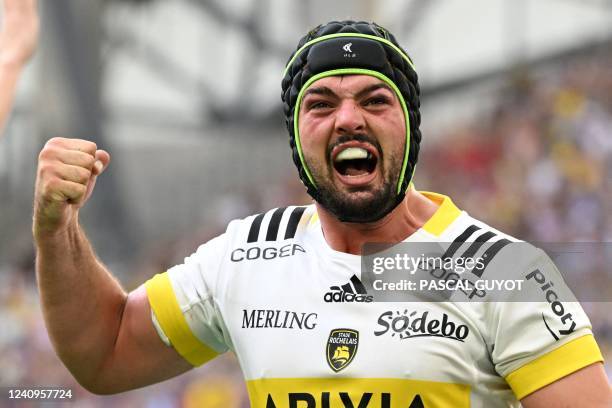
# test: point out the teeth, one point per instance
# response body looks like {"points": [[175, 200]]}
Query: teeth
{"points": [[352, 153]]}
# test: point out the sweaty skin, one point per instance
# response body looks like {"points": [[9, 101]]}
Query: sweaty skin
{"points": [[18, 39], [351, 105], [355, 111]]}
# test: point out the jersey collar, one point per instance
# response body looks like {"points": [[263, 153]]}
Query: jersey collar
{"points": [[444, 216]]}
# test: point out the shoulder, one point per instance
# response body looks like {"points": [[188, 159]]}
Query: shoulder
{"points": [[274, 225], [466, 228], [449, 223], [247, 238], [465, 237]]}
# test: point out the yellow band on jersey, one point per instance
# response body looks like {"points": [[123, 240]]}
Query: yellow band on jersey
{"points": [[554, 365], [356, 392], [166, 308]]}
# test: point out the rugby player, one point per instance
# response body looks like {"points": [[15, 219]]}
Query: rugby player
{"points": [[18, 39], [282, 289]]}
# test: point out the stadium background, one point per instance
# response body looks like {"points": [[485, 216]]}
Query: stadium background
{"points": [[517, 124]]}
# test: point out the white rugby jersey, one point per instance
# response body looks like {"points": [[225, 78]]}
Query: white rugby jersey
{"points": [[306, 335]]}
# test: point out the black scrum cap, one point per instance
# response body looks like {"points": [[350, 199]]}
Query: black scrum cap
{"points": [[345, 48]]}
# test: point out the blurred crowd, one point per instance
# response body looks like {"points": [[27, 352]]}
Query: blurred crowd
{"points": [[538, 167]]}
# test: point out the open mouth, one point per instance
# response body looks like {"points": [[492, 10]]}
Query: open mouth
{"points": [[354, 161]]}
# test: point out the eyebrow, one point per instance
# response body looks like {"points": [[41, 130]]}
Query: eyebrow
{"points": [[323, 90]]}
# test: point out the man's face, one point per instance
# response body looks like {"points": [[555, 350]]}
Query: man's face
{"points": [[353, 132]]}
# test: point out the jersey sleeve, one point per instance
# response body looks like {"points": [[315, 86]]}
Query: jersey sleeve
{"points": [[184, 310], [544, 334]]}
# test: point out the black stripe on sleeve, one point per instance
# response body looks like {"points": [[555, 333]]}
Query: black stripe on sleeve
{"points": [[471, 251], [274, 223], [294, 220], [454, 246], [489, 255], [255, 226]]}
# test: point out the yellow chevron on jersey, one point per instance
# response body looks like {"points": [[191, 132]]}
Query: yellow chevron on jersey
{"points": [[307, 332], [447, 213]]}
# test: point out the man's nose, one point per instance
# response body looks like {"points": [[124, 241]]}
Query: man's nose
{"points": [[349, 118]]}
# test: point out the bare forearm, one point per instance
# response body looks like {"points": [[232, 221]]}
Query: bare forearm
{"points": [[82, 303], [105, 337]]}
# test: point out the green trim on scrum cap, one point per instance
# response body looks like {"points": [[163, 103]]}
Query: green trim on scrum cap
{"points": [[350, 71], [358, 35]]}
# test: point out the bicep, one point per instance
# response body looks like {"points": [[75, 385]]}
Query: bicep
{"points": [[140, 357], [587, 387]]}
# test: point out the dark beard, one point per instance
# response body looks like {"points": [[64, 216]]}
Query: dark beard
{"points": [[360, 210]]}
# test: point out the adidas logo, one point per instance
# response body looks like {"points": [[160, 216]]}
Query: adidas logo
{"points": [[353, 291]]}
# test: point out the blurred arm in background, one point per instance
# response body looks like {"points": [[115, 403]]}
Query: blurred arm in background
{"points": [[18, 39]]}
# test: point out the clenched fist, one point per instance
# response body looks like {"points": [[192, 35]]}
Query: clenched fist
{"points": [[67, 172]]}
